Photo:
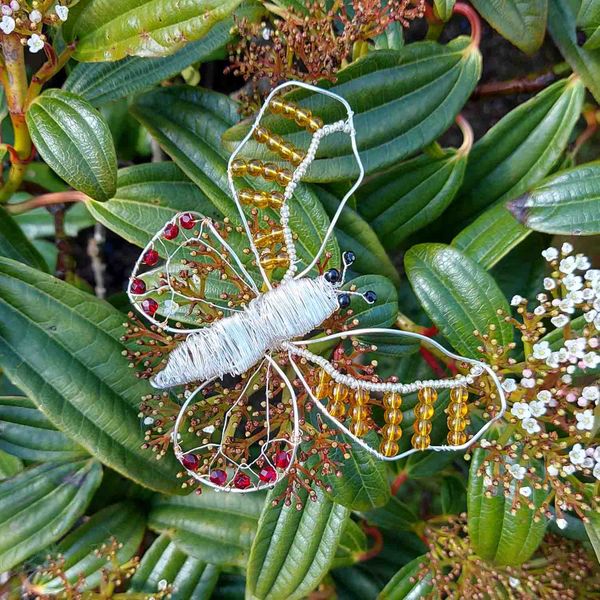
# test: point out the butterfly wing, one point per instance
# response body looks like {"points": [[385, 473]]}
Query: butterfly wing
{"points": [[248, 432], [357, 400]]}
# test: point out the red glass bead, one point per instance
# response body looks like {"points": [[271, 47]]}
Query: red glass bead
{"points": [[242, 481], [151, 258], [282, 460], [171, 231], [138, 286], [268, 474], [187, 221], [218, 477], [149, 306], [191, 462]]}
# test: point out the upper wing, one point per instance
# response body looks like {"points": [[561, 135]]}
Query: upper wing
{"points": [[268, 184], [190, 275], [357, 400], [250, 431]]}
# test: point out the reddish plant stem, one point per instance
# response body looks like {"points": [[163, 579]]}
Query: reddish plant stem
{"points": [[520, 85], [460, 8], [591, 121], [400, 480], [47, 200], [377, 547]]}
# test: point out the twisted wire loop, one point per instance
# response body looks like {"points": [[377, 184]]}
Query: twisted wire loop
{"points": [[229, 459]]}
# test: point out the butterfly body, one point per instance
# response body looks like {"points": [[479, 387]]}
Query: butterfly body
{"points": [[236, 343]]}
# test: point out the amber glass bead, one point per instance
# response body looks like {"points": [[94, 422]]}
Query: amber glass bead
{"points": [[269, 239], [420, 442], [393, 416], [359, 413], [359, 428], [275, 262], [392, 400], [457, 438], [389, 448], [391, 432], [340, 392], [361, 397], [456, 423], [255, 168], [423, 411], [422, 427], [239, 168], [427, 395], [283, 177], [323, 388], [314, 124], [261, 135], [276, 105], [457, 409], [302, 117], [270, 172], [337, 410], [459, 394]]}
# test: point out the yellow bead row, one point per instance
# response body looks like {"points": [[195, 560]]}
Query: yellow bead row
{"points": [[275, 262], [269, 239], [457, 416], [391, 431], [423, 412], [257, 168], [324, 385], [303, 117], [261, 199], [359, 414], [340, 394], [277, 144]]}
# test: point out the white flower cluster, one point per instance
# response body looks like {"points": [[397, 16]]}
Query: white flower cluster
{"points": [[581, 458], [527, 412]]}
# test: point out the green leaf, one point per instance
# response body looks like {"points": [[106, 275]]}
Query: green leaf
{"points": [[588, 20], [444, 8], [124, 523], [364, 483], [293, 548], [75, 141], [395, 516], [352, 544], [567, 203], [76, 375], [147, 197], [106, 30], [518, 151], [562, 27], [402, 101], [495, 532], [408, 197], [391, 39], [592, 527], [522, 23], [26, 432], [188, 123], [40, 504], [457, 294], [212, 527], [353, 233], [191, 578], [9, 465], [14, 244], [453, 496], [385, 310], [406, 583], [39, 223]]}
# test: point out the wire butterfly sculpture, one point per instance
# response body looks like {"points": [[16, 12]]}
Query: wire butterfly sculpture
{"points": [[246, 300]]}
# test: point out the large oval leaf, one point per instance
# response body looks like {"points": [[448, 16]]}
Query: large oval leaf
{"points": [[108, 30], [384, 311], [293, 549], [62, 347], [14, 244], [588, 20], [39, 505], [75, 141], [211, 527], [406, 585], [567, 203], [457, 294], [124, 523], [408, 197], [522, 23], [26, 432], [190, 578], [402, 100], [495, 532], [519, 150]]}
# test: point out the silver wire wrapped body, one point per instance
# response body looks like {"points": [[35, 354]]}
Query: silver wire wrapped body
{"points": [[236, 343]]}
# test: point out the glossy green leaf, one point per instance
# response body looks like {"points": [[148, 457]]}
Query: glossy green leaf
{"points": [[14, 243], [521, 22], [74, 141], [444, 8], [39, 505], [385, 310], [26, 432], [592, 527], [9, 465], [562, 27], [364, 484], [390, 39], [293, 549], [495, 532], [457, 294], [190, 578], [210, 527], [406, 584], [106, 30], [408, 197], [402, 100], [38, 223], [396, 515], [518, 151], [123, 522], [354, 233], [62, 347], [588, 20], [147, 197], [352, 545], [188, 123], [567, 203], [453, 496]]}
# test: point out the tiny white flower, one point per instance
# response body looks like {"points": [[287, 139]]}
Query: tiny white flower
{"points": [[516, 300], [514, 582], [541, 298], [590, 315], [553, 360], [592, 275], [549, 283], [62, 12], [591, 392], [566, 379], [566, 248], [550, 254], [517, 471], [569, 469], [528, 382], [525, 491], [6, 10], [567, 265], [587, 463], [575, 296], [487, 481], [577, 455], [209, 429], [596, 471], [585, 420], [539, 311], [521, 410], [266, 34], [537, 408], [567, 305], [562, 523], [544, 396], [509, 385], [162, 584], [541, 350], [552, 470], [35, 16], [590, 360], [531, 426], [588, 293], [582, 262], [596, 454], [15, 5], [582, 401], [35, 43], [572, 282], [559, 321], [148, 421], [7, 24]]}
